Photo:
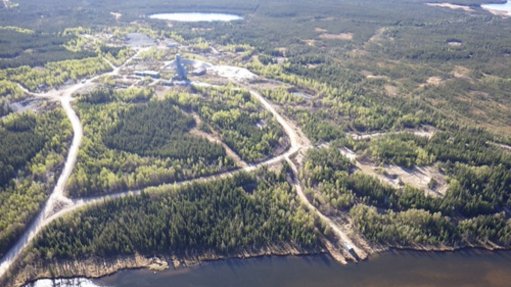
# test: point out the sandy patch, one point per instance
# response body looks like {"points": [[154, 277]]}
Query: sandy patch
{"points": [[434, 81], [320, 30], [371, 76], [310, 42], [391, 90], [503, 146], [461, 72], [451, 6], [378, 36], [425, 131], [340, 36], [429, 179], [224, 71], [454, 44], [233, 73]]}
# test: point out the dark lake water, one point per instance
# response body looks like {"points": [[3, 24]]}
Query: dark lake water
{"points": [[470, 268]]}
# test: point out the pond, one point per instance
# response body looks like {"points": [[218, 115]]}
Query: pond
{"points": [[196, 17], [468, 268], [500, 9]]}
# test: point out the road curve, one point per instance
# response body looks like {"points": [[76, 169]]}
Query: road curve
{"points": [[57, 198], [298, 142]]}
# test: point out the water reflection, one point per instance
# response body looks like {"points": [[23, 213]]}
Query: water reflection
{"points": [[468, 268]]}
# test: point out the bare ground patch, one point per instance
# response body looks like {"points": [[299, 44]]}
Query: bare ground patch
{"points": [[340, 36], [461, 72], [429, 178], [391, 90], [452, 6], [432, 82], [371, 76], [310, 42], [320, 30]]}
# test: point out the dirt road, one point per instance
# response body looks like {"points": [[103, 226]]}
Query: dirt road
{"points": [[58, 205]]}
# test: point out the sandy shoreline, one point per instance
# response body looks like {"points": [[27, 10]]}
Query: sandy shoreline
{"points": [[97, 267]]}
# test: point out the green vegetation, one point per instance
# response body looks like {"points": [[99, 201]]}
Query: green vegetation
{"points": [[242, 124], [33, 149], [55, 73], [255, 213], [467, 146], [133, 140], [400, 65], [160, 129], [474, 210], [23, 47]]}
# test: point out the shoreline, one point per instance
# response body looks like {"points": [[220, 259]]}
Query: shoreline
{"points": [[95, 268], [504, 13]]}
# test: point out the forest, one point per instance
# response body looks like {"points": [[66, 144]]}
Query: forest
{"points": [[23, 47], [239, 119], [160, 129], [473, 212], [468, 146], [134, 140], [224, 217], [54, 73], [32, 151], [399, 66]]}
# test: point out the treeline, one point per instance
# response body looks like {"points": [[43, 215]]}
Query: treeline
{"points": [[224, 217], [416, 227], [282, 96], [478, 199], [54, 73], [21, 47], [32, 150], [103, 94], [467, 146]]}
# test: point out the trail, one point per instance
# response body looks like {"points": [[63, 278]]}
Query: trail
{"points": [[427, 132], [57, 199], [58, 204], [300, 144]]}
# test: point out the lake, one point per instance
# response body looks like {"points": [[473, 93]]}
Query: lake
{"points": [[196, 17], [467, 268], [505, 8]]}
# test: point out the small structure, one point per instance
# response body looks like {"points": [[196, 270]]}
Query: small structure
{"points": [[200, 71], [180, 70], [171, 44], [152, 74]]}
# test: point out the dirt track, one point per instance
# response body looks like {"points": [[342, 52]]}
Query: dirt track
{"points": [[59, 205]]}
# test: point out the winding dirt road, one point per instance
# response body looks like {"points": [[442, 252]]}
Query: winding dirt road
{"points": [[58, 204], [57, 201]]}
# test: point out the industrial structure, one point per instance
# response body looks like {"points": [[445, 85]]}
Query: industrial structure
{"points": [[181, 74]]}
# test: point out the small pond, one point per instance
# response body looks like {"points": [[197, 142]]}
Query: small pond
{"points": [[196, 17]]}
